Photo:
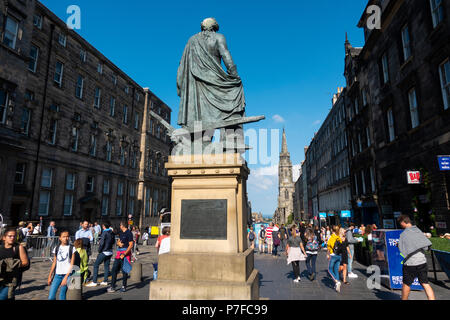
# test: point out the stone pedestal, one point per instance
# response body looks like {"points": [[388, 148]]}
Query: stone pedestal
{"points": [[209, 258]]}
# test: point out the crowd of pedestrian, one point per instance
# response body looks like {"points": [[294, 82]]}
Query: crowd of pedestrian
{"points": [[305, 242], [70, 255], [299, 243]]}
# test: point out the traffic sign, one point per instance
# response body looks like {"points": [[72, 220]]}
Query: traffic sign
{"points": [[444, 163]]}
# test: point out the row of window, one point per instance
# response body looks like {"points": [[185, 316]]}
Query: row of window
{"points": [[334, 175], [62, 40], [70, 192], [362, 143], [361, 188]]}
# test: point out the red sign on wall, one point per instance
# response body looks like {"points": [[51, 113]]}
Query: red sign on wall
{"points": [[414, 177]]}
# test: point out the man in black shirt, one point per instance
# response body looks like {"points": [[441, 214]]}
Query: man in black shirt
{"points": [[283, 237], [124, 247]]}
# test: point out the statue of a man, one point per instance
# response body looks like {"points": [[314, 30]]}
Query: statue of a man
{"points": [[208, 93]]}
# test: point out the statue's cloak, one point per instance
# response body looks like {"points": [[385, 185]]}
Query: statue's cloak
{"points": [[207, 92]]}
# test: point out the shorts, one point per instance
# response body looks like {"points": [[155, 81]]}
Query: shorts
{"points": [[269, 241], [344, 259], [412, 272]]}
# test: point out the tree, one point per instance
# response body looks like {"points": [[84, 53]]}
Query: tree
{"points": [[290, 219]]}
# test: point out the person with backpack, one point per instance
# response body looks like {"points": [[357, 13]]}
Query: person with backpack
{"points": [[262, 240], [276, 241], [251, 237], [312, 249], [13, 262], [334, 257], [62, 265], [105, 252], [412, 244]]}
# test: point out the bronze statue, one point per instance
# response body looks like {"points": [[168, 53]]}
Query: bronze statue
{"points": [[207, 92], [210, 96]]}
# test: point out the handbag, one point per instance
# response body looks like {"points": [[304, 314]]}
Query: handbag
{"points": [[126, 266], [276, 241]]}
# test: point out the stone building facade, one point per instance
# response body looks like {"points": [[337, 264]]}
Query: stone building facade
{"points": [[402, 74], [298, 203], [285, 185], [326, 167], [76, 138]]}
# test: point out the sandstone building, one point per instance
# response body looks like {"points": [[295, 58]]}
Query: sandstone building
{"points": [[286, 185], [76, 138]]}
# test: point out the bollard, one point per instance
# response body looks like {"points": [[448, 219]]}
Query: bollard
{"points": [[74, 294], [74, 290], [136, 272]]}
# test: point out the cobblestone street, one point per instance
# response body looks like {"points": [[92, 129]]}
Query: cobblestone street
{"points": [[275, 282]]}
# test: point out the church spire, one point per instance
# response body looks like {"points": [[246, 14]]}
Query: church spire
{"points": [[348, 46], [284, 149]]}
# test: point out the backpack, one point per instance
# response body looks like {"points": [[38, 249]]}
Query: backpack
{"points": [[87, 245], [251, 236], [70, 251], [22, 269], [312, 245], [19, 235], [262, 233]]}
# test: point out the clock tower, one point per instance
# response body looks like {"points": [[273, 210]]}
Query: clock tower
{"points": [[286, 187]]}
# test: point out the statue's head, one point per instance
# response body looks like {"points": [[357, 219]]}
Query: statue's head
{"points": [[210, 24]]}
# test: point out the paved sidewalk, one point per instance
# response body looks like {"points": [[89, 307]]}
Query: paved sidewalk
{"points": [[276, 282], [34, 286]]}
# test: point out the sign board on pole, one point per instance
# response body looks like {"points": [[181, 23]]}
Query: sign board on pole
{"points": [[395, 261], [414, 177], [444, 163]]}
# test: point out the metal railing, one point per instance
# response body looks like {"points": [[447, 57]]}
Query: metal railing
{"points": [[41, 247]]}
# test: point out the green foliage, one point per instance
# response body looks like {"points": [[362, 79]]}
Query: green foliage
{"points": [[290, 219], [440, 244]]}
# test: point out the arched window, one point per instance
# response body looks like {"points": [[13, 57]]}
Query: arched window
{"points": [[286, 194]]}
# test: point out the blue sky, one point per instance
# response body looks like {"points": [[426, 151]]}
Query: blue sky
{"points": [[289, 54]]}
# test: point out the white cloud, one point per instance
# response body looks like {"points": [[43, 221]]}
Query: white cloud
{"points": [[266, 171], [277, 118], [296, 171], [317, 122], [263, 178]]}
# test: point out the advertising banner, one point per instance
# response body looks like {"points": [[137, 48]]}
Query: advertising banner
{"points": [[395, 261], [414, 177]]}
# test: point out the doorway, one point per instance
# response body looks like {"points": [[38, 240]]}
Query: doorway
{"points": [[16, 213]]}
